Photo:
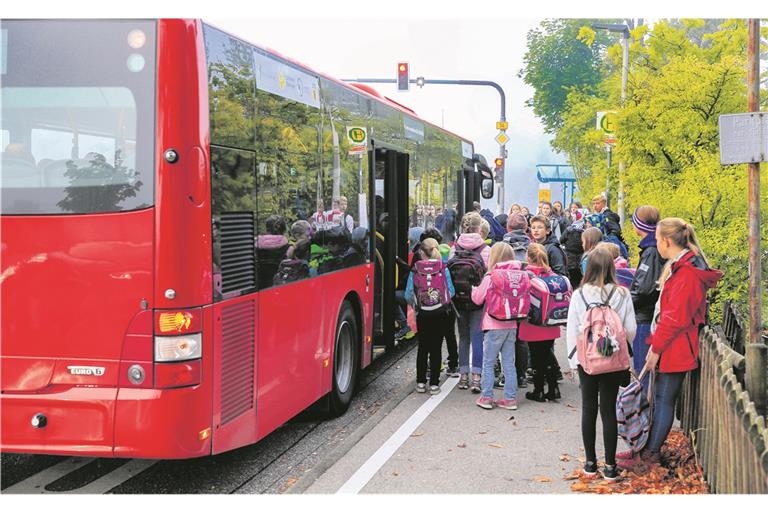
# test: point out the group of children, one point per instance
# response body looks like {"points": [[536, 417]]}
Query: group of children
{"points": [[514, 292]]}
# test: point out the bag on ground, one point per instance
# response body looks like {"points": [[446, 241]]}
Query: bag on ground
{"points": [[634, 413]]}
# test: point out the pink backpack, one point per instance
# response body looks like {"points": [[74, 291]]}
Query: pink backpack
{"points": [[550, 298], [430, 285], [602, 343], [508, 296]]}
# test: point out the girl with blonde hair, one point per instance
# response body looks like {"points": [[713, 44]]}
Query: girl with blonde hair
{"points": [[674, 339]]}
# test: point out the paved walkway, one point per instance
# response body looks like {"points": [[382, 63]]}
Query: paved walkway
{"points": [[460, 448]]}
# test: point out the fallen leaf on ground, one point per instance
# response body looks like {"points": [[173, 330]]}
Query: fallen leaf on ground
{"points": [[542, 479], [571, 406], [514, 423], [417, 434], [291, 481], [462, 445], [510, 418], [549, 430], [395, 473], [579, 487], [565, 458], [496, 445], [483, 432], [574, 475]]}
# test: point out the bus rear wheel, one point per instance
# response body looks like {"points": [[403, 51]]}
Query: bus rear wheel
{"points": [[346, 361]]}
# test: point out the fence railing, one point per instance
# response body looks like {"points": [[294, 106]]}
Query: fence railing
{"points": [[729, 437]]}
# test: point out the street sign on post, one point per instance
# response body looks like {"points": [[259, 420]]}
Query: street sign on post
{"points": [[743, 138], [606, 123], [502, 138], [502, 125]]}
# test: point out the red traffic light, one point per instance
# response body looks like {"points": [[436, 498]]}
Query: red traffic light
{"points": [[499, 162], [403, 77]]}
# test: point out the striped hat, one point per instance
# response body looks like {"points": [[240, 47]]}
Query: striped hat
{"points": [[642, 226]]}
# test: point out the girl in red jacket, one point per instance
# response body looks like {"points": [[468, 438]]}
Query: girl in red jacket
{"points": [[674, 339], [541, 339]]}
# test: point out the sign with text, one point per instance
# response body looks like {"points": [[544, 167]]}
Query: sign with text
{"points": [[358, 140], [743, 138]]}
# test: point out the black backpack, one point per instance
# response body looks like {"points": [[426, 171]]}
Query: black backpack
{"points": [[467, 269], [291, 270]]}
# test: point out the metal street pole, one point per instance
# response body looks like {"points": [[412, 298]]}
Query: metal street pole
{"points": [[624, 75], [421, 81], [756, 350]]}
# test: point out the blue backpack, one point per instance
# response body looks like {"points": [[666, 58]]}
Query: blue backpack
{"points": [[599, 221], [497, 230]]}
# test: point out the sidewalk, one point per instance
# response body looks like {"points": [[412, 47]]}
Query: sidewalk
{"points": [[460, 448]]}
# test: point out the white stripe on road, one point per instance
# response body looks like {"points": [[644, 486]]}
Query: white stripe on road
{"points": [[363, 475], [36, 483]]}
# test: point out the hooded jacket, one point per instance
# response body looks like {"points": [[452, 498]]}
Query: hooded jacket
{"points": [[478, 297], [534, 333], [621, 303], [682, 309], [571, 243], [472, 241], [644, 287], [556, 255]]}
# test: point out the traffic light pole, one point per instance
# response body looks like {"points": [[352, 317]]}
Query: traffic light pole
{"points": [[487, 83]]}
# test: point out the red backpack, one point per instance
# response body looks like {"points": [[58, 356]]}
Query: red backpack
{"points": [[602, 343], [508, 296]]}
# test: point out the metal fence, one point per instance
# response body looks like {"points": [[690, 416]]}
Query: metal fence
{"points": [[729, 437]]}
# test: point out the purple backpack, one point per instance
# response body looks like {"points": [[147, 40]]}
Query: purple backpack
{"points": [[625, 276], [550, 298], [508, 296], [430, 286]]}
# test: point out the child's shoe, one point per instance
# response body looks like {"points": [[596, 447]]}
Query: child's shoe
{"points": [[553, 393], [590, 469], [475, 387], [610, 473], [401, 334], [510, 404], [537, 395], [434, 390], [463, 381], [421, 387], [485, 402]]}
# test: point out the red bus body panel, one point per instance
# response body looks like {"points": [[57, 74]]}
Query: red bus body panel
{"points": [[80, 290]]}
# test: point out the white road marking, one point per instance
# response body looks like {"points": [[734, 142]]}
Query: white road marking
{"points": [[36, 483], [364, 474]]}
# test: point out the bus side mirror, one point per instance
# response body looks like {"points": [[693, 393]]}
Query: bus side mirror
{"points": [[486, 187]]}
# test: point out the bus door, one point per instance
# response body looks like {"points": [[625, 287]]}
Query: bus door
{"points": [[389, 212]]}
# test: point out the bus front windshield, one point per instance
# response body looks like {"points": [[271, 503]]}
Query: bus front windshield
{"points": [[77, 116]]}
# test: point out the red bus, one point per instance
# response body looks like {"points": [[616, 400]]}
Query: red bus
{"points": [[188, 235]]}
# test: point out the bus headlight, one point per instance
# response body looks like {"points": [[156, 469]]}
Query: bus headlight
{"points": [[178, 348]]}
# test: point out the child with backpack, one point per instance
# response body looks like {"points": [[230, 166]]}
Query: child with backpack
{"points": [[571, 244], [468, 261], [674, 339], [540, 337], [589, 240], [541, 232], [504, 292], [601, 327], [624, 274], [517, 237], [430, 291]]}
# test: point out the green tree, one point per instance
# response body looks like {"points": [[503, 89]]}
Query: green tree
{"points": [[557, 63]]}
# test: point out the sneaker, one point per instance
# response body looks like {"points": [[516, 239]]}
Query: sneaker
{"points": [[510, 404], [453, 372], [590, 469], [421, 387], [475, 387], [485, 402], [610, 472], [522, 383], [399, 335], [463, 381], [536, 395], [409, 335], [640, 462], [434, 390]]}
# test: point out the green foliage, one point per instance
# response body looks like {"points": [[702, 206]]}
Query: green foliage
{"points": [[683, 75], [557, 62]]}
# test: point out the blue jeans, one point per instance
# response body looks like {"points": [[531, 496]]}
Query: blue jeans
{"points": [[400, 308], [470, 334], [640, 351], [667, 389], [495, 341]]}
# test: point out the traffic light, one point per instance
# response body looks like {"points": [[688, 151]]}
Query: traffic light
{"points": [[499, 162], [403, 79]]}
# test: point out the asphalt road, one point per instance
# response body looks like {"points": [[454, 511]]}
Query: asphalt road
{"points": [[288, 460]]}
